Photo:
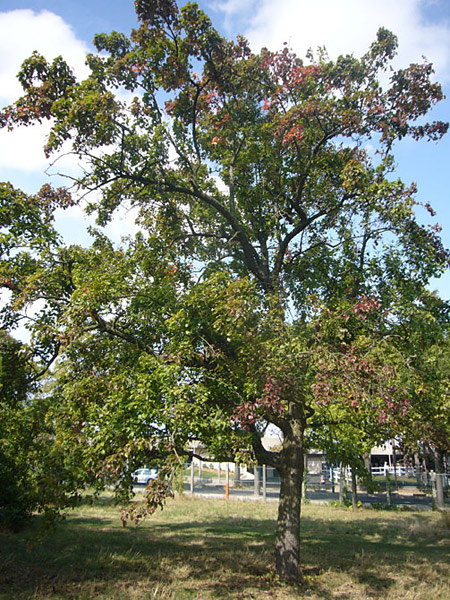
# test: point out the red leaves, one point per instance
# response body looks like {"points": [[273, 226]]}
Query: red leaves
{"points": [[400, 120], [169, 106], [430, 209], [300, 74], [287, 69], [216, 141], [270, 404], [55, 197], [222, 121], [212, 99], [356, 382], [392, 410], [434, 131], [156, 12], [171, 270], [157, 492], [24, 114], [6, 282], [294, 134], [352, 373], [364, 306]]}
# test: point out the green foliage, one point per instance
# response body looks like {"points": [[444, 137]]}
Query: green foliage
{"points": [[14, 425], [34, 475], [277, 257], [426, 375]]}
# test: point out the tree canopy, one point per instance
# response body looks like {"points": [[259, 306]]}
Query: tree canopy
{"points": [[276, 248]]}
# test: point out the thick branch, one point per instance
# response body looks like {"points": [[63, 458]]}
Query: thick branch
{"points": [[48, 364], [107, 327], [251, 257], [263, 456]]}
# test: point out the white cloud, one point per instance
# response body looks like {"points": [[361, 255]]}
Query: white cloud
{"points": [[21, 151], [22, 32], [123, 224], [22, 159], [230, 8], [23, 148], [73, 223], [348, 26]]}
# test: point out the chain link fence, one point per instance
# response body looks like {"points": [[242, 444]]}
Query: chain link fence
{"points": [[386, 484]]}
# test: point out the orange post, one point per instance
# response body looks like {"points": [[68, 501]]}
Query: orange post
{"points": [[227, 491]]}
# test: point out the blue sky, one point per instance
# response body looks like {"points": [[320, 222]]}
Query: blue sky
{"points": [[67, 27]]}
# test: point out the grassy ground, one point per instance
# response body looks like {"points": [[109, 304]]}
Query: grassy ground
{"points": [[208, 549]]}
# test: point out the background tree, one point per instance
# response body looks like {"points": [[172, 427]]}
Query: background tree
{"points": [[252, 168], [358, 384], [14, 504], [424, 429], [33, 473], [33, 470]]}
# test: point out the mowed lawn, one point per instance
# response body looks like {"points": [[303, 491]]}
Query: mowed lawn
{"points": [[205, 549]]}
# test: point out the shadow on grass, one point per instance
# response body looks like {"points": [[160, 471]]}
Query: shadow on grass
{"points": [[102, 500], [220, 556]]}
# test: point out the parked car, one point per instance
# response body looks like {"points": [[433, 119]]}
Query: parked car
{"points": [[144, 476]]}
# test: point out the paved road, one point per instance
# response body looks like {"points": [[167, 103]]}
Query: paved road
{"points": [[412, 500], [409, 498]]}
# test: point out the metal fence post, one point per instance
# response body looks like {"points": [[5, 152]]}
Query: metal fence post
{"points": [[305, 474], [433, 488], [264, 482], [388, 488], [256, 482], [227, 482]]}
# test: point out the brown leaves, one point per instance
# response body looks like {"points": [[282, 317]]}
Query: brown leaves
{"points": [[268, 405], [156, 494]]}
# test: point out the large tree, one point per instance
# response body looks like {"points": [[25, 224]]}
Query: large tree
{"points": [[261, 202]]}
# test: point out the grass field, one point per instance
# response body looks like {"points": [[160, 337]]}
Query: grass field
{"points": [[208, 549]]}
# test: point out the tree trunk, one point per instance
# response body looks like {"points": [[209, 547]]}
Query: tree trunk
{"points": [[290, 465], [237, 475], [287, 547], [305, 476], [439, 469], [354, 490], [341, 483], [394, 461]]}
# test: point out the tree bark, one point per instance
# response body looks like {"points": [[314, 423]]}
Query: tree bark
{"points": [[341, 483], [287, 547], [439, 470], [354, 490], [289, 463], [237, 475], [305, 476]]}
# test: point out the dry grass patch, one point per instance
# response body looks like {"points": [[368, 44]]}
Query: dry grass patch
{"points": [[212, 549]]}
